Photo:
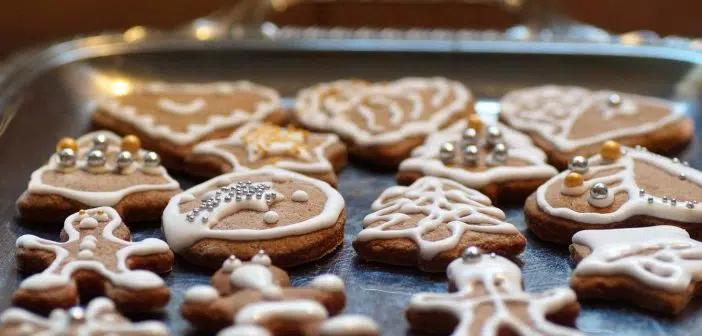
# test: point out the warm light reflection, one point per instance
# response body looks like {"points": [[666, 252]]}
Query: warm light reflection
{"points": [[204, 33], [120, 87], [134, 34], [631, 39]]}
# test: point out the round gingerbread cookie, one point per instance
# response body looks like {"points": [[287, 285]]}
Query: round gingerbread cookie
{"points": [[171, 118], [294, 218], [499, 161], [98, 169], [567, 121], [256, 145], [621, 187], [382, 122]]}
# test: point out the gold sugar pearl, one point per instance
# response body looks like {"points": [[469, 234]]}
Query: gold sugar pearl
{"points": [[611, 150], [475, 122], [573, 180], [67, 143], [131, 143], [81, 212], [100, 212]]}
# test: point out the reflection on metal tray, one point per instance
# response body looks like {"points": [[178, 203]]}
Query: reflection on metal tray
{"points": [[48, 93]]}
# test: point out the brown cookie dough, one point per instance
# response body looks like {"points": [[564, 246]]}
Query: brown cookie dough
{"points": [[98, 169], [172, 118], [256, 145]]}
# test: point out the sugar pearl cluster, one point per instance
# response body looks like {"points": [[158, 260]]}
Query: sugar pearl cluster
{"points": [[128, 159], [239, 192], [472, 138]]}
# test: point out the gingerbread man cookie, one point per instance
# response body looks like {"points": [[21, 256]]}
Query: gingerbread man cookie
{"points": [[497, 160], [255, 145], [568, 121], [430, 223], [382, 122], [96, 258], [99, 318], [658, 267], [98, 169], [487, 299], [295, 218], [256, 297], [621, 187], [171, 118]]}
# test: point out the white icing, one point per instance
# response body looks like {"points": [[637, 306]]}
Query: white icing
{"points": [[442, 202], [244, 330], [88, 243], [231, 264], [85, 255], [270, 217], [143, 121], [64, 264], [258, 277], [501, 280], [300, 196], [306, 160], [261, 258], [192, 107], [88, 223], [201, 294], [97, 198], [551, 111], [182, 234], [293, 310], [624, 178], [425, 159], [328, 283], [349, 325], [317, 110], [662, 257]]}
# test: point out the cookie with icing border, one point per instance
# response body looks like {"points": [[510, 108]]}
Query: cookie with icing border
{"points": [[619, 188], [658, 268], [96, 258], [568, 121], [486, 298], [99, 318], [256, 145], [295, 218], [98, 169], [171, 118], [256, 297], [382, 122], [499, 161], [429, 223]]}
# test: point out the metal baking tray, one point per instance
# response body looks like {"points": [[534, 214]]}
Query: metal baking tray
{"points": [[46, 94]]}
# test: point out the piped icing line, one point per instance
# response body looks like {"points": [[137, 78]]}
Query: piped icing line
{"points": [[291, 310], [60, 271], [426, 160], [182, 233], [244, 330], [192, 107], [637, 203], [100, 317], [98, 198], [318, 109], [551, 111], [662, 257], [442, 201], [269, 103], [350, 325], [313, 160], [501, 280]]}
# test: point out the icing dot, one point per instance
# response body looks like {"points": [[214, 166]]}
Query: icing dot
{"points": [[85, 255], [270, 217], [88, 223], [261, 258], [328, 283], [201, 293], [244, 330], [348, 325], [279, 178], [230, 264], [300, 196], [87, 244]]}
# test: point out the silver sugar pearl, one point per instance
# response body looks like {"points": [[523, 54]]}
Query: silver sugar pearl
{"points": [[258, 196], [447, 151], [690, 205], [673, 201], [273, 196], [470, 136], [642, 192], [190, 217], [650, 200], [249, 196], [493, 136], [151, 159], [665, 199], [66, 158], [686, 164], [124, 159], [238, 198], [499, 153], [676, 160], [196, 210], [471, 155], [614, 100], [204, 219], [578, 164], [682, 176], [76, 314], [96, 158], [471, 254], [100, 142], [227, 199], [599, 191]]}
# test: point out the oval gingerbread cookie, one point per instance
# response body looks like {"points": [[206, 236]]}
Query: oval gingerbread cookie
{"points": [[382, 122], [295, 218]]}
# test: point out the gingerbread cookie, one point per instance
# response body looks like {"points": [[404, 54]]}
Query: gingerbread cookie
{"points": [[295, 218], [96, 258], [568, 121], [98, 169], [621, 187], [657, 268], [382, 122], [255, 145], [497, 160], [488, 299], [172, 118], [257, 297], [430, 223], [99, 318]]}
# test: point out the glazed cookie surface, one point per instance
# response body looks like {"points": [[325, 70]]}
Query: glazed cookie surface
{"points": [[657, 268], [256, 145], [429, 223], [98, 169], [621, 187], [171, 118], [568, 121], [96, 258], [487, 299], [99, 318], [295, 218], [496, 160], [382, 122]]}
